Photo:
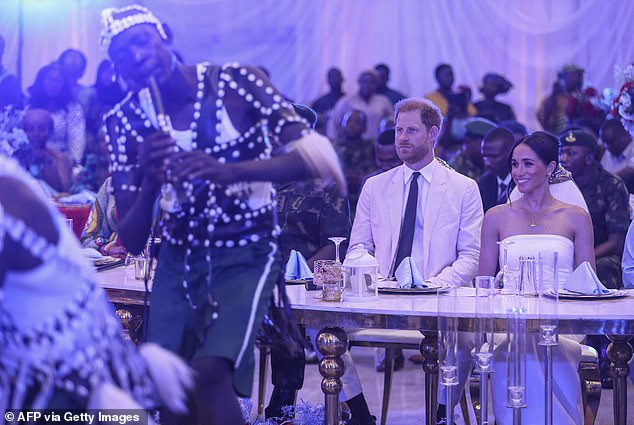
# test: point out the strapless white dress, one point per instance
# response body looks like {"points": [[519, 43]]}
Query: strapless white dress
{"points": [[567, 406]]}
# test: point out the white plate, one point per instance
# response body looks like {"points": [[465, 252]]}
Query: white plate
{"points": [[567, 295], [431, 289]]}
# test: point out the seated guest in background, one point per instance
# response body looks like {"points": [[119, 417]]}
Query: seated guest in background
{"points": [[100, 231], [324, 105], [10, 90], [51, 91], [518, 129], [62, 346], [568, 101], [423, 210], [469, 160], [618, 157], [385, 153], [608, 204], [375, 107], [448, 100], [355, 153], [383, 74], [73, 62], [607, 200], [53, 168], [628, 259], [496, 183], [308, 213], [492, 86], [538, 223], [101, 97]]}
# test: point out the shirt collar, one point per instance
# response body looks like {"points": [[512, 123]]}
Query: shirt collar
{"points": [[427, 171], [506, 180]]}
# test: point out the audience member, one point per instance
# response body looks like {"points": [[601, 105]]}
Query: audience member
{"points": [[607, 200], [496, 182], [385, 151], [53, 168], [51, 91], [383, 74], [455, 106], [448, 216], [101, 96], [375, 106], [618, 157], [356, 153], [469, 160], [492, 86], [10, 90], [73, 64], [518, 129], [568, 101], [324, 105]]}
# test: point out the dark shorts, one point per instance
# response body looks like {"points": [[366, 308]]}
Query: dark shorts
{"points": [[242, 281]]}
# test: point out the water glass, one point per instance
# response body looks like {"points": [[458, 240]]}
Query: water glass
{"points": [[527, 283]]}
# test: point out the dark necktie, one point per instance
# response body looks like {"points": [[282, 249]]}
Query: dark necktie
{"points": [[502, 195], [406, 237]]}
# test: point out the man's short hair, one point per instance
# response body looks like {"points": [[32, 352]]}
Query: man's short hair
{"points": [[430, 115], [440, 67], [613, 124], [500, 133], [382, 66]]}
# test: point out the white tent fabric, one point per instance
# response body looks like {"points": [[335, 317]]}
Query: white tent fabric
{"points": [[526, 40]]}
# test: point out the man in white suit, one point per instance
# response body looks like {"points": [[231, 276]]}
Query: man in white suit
{"points": [[446, 229]]}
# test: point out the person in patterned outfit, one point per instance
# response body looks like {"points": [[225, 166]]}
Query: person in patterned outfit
{"points": [[308, 215], [608, 203], [356, 153], [198, 140]]}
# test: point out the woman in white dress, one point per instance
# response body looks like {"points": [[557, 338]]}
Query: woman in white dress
{"points": [[538, 224], [60, 343]]}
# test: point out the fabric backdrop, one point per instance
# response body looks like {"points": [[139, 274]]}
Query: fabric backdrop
{"points": [[298, 40]]}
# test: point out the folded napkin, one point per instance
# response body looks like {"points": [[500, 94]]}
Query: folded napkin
{"points": [[585, 281], [408, 276], [297, 268]]}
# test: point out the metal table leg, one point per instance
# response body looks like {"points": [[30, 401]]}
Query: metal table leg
{"points": [[619, 353], [331, 343], [429, 350]]}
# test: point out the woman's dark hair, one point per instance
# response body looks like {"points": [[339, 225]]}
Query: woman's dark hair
{"points": [[39, 99], [544, 144]]}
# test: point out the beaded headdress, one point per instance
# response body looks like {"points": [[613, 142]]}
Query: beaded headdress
{"points": [[115, 21]]}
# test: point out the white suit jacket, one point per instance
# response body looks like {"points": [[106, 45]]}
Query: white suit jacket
{"points": [[452, 221]]}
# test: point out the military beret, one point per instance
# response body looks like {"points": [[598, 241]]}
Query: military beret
{"points": [[479, 127], [576, 137]]}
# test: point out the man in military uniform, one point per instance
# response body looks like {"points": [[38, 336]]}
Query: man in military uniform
{"points": [[308, 213], [608, 203], [469, 161], [356, 153]]}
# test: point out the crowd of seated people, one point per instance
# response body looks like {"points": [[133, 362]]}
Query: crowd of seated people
{"points": [[63, 123]]}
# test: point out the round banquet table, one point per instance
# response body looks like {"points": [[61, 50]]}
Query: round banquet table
{"points": [[612, 317]]}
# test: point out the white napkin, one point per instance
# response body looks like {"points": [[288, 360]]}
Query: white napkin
{"points": [[408, 276], [585, 281], [296, 267]]}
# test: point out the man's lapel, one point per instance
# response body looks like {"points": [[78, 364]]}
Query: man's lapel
{"points": [[433, 207]]}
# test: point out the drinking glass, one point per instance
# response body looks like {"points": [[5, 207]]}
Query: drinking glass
{"points": [[337, 241], [329, 276], [505, 279]]}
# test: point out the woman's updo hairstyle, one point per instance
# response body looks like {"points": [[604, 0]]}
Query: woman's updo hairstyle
{"points": [[544, 144]]}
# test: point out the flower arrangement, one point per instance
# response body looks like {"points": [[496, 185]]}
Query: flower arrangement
{"points": [[13, 140], [303, 413], [622, 105]]}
